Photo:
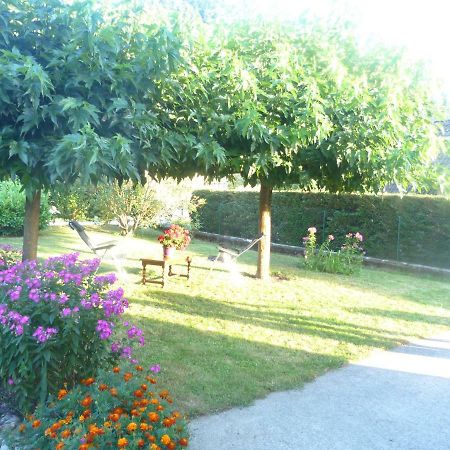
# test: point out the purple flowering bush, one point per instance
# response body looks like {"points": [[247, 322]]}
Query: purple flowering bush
{"points": [[59, 321], [324, 258]]}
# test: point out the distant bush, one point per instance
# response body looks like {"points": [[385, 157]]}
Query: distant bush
{"points": [[132, 206], [415, 227], [327, 258], [12, 210], [9, 256]]}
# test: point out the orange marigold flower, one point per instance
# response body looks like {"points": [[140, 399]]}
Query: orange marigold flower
{"points": [[116, 369], [165, 439], [140, 443], [154, 417], [128, 376], [167, 422], [154, 401], [164, 394], [107, 424], [114, 417], [144, 387], [61, 394], [135, 413], [88, 381], [55, 427], [138, 393], [139, 368], [155, 447], [183, 442], [81, 418], [59, 446], [103, 387], [118, 410], [83, 447], [113, 392], [36, 423], [160, 408], [171, 445], [122, 442], [86, 413], [86, 401], [131, 427], [144, 402], [22, 427], [65, 434], [152, 438], [143, 426]]}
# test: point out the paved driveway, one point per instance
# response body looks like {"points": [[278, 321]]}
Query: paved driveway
{"points": [[398, 399]]}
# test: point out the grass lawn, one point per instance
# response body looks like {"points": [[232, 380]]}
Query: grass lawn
{"points": [[224, 340]]}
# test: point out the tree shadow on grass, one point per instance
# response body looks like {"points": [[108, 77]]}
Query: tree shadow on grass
{"points": [[404, 315], [284, 322], [210, 371]]}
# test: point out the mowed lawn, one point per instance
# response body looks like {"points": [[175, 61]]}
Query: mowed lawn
{"points": [[225, 339]]}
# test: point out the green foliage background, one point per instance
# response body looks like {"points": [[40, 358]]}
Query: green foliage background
{"points": [[424, 236], [12, 209]]}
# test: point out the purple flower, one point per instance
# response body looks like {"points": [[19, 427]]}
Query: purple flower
{"points": [[110, 278], [115, 347], [127, 352], [104, 329], [66, 312], [156, 368], [42, 334], [10, 381]]}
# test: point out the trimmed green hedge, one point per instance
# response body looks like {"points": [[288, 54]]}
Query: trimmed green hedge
{"points": [[12, 210], [413, 228]]}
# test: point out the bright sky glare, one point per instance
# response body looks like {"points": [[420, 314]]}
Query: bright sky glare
{"points": [[421, 26]]}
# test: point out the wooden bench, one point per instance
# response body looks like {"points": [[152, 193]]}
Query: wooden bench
{"points": [[166, 269]]}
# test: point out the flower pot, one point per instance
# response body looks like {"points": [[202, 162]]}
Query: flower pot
{"points": [[168, 252]]}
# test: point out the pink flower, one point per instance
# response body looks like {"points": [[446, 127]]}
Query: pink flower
{"points": [[156, 368], [312, 230], [330, 237], [359, 236]]}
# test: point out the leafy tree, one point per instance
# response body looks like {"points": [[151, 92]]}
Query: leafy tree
{"points": [[133, 205], [304, 105], [78, 96]]}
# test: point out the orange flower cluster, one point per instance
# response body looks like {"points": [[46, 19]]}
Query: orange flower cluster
{"points": [[136, 420]]}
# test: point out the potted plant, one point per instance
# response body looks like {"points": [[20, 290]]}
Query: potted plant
{"points": [[174, 238]]}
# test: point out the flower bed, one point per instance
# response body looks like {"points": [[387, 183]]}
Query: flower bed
{"points": [[119, 408], [59, 320]]}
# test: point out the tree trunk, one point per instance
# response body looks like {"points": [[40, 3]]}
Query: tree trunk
{"points": [[265, 205], [31, 226]]}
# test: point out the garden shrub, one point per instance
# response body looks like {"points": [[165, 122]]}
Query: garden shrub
{"points": [[74, 202], [423, 232], [12, 209], [58, 321], [346, 260], [119, 408], [9, 256]]}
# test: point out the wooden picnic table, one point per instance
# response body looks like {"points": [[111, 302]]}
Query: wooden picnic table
{"points": [[166, 265]]}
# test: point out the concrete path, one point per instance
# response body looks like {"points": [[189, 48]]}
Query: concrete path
{"points": [[398, 399]]}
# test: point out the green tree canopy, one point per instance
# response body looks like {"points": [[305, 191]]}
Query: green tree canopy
{"points": [[79, 95], [303, 105]]}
